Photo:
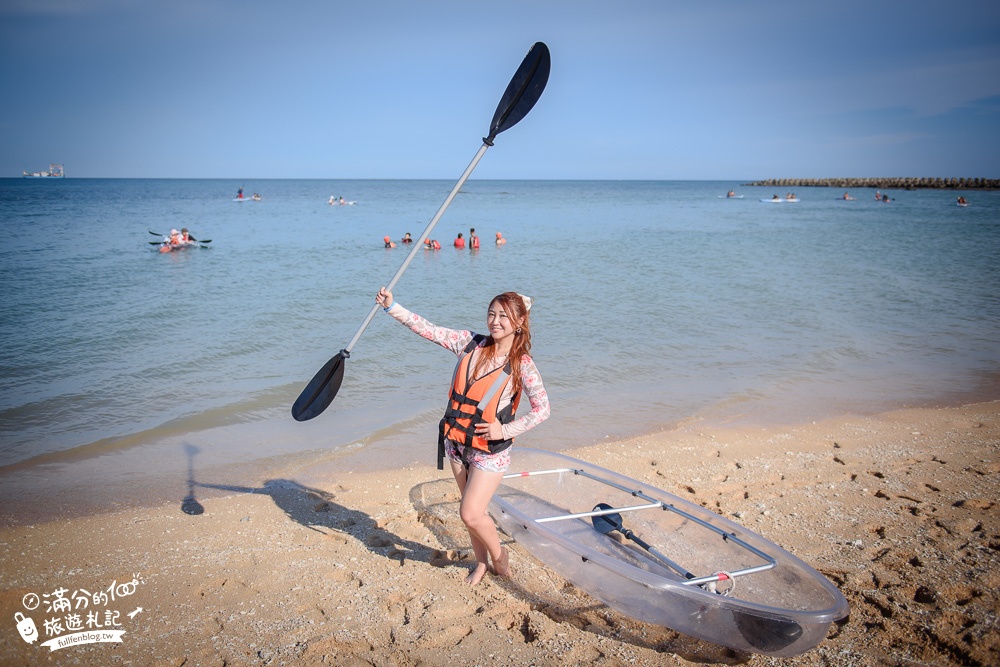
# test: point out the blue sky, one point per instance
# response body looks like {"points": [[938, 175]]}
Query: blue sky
{"points": [[392, 89]]}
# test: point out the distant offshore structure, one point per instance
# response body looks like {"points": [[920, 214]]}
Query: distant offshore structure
{"points": [[55, 171], [885, 183]]}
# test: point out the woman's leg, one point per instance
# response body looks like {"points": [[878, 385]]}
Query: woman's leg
{"points": [[482, 555], [477, 491]]}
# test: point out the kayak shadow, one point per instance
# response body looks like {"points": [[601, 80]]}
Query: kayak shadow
{"points": [[317, 510], [548, 593]]}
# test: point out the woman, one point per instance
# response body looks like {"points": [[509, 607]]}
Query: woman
{"points": [[479, 425]]}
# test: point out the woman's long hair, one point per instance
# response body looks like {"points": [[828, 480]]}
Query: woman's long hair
{"points": [[513, 304]]}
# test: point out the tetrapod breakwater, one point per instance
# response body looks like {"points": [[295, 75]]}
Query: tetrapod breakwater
{"points": [[884, 183]]}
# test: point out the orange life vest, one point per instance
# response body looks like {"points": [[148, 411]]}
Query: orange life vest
{"points": [[475, 401]]}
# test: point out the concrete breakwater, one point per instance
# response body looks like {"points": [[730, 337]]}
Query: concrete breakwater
{"points": [[885, 183]]}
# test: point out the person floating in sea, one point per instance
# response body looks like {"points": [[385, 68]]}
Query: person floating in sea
{"points": [[500, 239], [256, 197], [885, 199], [962, 202], [432, 244], [848, 197], [731, 193], [407, 238], [332, 201], [473, 239], [459, 241], [878, 196], [477, 439], [388, 242]]}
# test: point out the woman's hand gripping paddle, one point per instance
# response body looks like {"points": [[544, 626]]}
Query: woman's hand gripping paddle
{"points": [[522, 92]]}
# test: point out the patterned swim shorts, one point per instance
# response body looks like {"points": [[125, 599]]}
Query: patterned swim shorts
{"points": [[477, 458]]}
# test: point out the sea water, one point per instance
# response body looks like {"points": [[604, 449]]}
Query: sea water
{"points": [[656, 303]]}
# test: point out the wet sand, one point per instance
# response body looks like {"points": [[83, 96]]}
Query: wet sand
{"points": [[898, 510]]}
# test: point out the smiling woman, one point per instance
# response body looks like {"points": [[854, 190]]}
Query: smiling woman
{"points": [[479, 424]]}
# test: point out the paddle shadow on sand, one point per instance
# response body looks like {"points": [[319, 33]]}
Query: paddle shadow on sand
{"points": [[436, 504], [317, 510]]}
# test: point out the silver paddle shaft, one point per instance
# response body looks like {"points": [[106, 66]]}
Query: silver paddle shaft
{"points": [[420, 242]]}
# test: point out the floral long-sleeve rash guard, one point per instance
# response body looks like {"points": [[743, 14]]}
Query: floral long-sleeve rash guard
{"points": [[456, 340]]}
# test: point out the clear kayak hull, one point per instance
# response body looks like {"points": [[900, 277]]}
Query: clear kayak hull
{"points": [[681, 566], [176, 247]]}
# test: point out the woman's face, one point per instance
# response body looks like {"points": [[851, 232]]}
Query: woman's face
{"points": [[497, 321]]}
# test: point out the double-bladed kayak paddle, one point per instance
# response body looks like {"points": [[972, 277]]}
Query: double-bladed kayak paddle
{"points": [[522, 92]]}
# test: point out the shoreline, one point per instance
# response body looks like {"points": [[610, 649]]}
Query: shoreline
{"points": [[897, 509], [150, 471]]}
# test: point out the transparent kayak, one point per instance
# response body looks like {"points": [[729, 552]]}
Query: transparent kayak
{"points": [[175, 247], [661, 559]]}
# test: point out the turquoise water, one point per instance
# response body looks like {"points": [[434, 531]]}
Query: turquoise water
{"points": [[656, 303]]}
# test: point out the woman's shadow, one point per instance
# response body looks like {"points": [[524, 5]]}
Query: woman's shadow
{"points": [[317, 510]]}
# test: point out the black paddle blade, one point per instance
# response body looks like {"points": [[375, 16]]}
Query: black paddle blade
{"points": [[767, 634], [320, 391], [606, 523], [523, 90]]}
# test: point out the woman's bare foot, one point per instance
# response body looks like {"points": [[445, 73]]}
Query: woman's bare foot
{"points": [[477, 574], [501, 566]]}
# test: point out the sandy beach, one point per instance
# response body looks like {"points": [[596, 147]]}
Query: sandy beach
{"points": [[898, 510]]}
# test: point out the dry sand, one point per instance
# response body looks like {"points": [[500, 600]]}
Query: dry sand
{"points": [[898, 510]]}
